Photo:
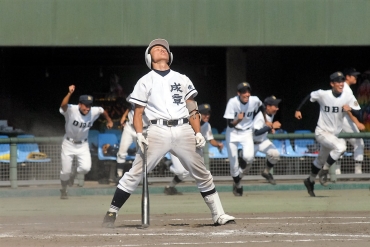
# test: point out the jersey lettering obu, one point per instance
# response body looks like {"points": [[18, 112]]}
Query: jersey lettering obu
{"points": [[259, 123], [77, 125], [331, 109], [164, 97], [234, 107]]}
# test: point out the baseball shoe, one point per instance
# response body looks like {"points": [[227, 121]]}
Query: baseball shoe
{"points": [[268, 177], [63, 194], [310, 186], [109, 220], [225, 219], [171, 191], [358, 169], [237, 191], [323, 177]]}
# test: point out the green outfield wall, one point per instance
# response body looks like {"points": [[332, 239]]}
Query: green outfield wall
{"points": [[184, 22]]}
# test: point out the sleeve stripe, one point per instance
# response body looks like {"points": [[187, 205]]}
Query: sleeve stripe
{"points": [[139, 102], [186, 96]]}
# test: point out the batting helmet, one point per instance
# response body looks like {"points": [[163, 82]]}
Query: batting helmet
{"points": [[162, 42]]}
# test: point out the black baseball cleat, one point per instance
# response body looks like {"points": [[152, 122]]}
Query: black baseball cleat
{"points": [[323, 177], [268, 177], [109, 220], [63, 194], [171, 191], [237, 191], [310, 186]]}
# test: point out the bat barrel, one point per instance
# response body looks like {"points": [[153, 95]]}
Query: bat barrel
{"points": [[145, 195]]}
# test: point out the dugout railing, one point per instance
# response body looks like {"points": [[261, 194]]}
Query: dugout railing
{"points": [[14, 173]]}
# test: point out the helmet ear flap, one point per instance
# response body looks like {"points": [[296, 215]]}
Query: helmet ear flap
{"points": [[148, 58]]}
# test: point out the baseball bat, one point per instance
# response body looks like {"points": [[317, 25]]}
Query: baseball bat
{"points": [[145, 194]]}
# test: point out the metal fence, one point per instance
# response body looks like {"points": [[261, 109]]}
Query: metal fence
{"points": [[38, 173]]}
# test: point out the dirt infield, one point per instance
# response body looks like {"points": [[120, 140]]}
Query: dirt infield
{"points": [[277, 218]]}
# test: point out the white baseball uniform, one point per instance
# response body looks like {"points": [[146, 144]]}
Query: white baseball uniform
{"points": [[330, 124], [164, 99], [242, 133], [350, 127], [177, 168], [128, 135], [261, 142], [75, 139]]}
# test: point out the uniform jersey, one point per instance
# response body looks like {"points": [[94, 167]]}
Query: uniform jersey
{"points": [[331, 111], [206, 131], [235, 106], [259, 123], [168, 95], [347, 89], [77, 125]]}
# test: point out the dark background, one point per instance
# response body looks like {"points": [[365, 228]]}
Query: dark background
{"points": [[34, 80]]}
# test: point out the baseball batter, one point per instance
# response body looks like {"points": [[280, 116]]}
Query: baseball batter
{"points": [[348, 125], [240, 112], [167, 97], [79, 119], [334, 104], [261, 142], [177, 168]]}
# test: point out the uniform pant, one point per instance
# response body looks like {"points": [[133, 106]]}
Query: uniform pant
{"points": [[268, 148], [330, 144], [177, 168], [178, 140], [69, 151], [245, 139], [358, 144], [128, 137]]}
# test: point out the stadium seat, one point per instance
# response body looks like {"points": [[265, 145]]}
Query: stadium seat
{"points": [[104, 138], [117, 132], [301, 145], [4, 151], [214, 152], [93, 141], [24, 149]]}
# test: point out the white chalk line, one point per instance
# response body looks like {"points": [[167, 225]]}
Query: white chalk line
{"points": [[213, 243], [229, 233]]}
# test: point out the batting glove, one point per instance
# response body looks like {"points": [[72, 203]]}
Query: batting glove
{"points": [[199, 140], [141, 140]]}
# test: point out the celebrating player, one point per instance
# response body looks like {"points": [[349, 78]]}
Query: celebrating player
{"points": [[334, 105], [349, 127], [177, 168], [167, 97], [79, 119], [261, 142], [128, 136], [239, 113]]}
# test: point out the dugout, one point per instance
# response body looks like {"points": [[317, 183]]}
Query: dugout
{"points": [[285, 47]]}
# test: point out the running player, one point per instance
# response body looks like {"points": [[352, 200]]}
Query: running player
{"points": [[334, 105], [79, 119], [239, 113], [177, 168], [349, 127], [168, 100], [261, 142]]}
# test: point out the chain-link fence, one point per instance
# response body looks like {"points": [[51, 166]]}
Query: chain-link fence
{"points": [[34, 172]]}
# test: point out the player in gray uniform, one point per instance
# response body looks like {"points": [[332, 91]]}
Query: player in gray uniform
{"points": [[334, 105], [79, 119], [167, 97], [261, 142], [349, 127], [239, 113], [177, 168]]}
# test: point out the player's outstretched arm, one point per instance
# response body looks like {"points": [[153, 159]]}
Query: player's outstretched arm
{"points": [[124, 116], [64, 104], [109, 120], [298, 114], [359, 125]]}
